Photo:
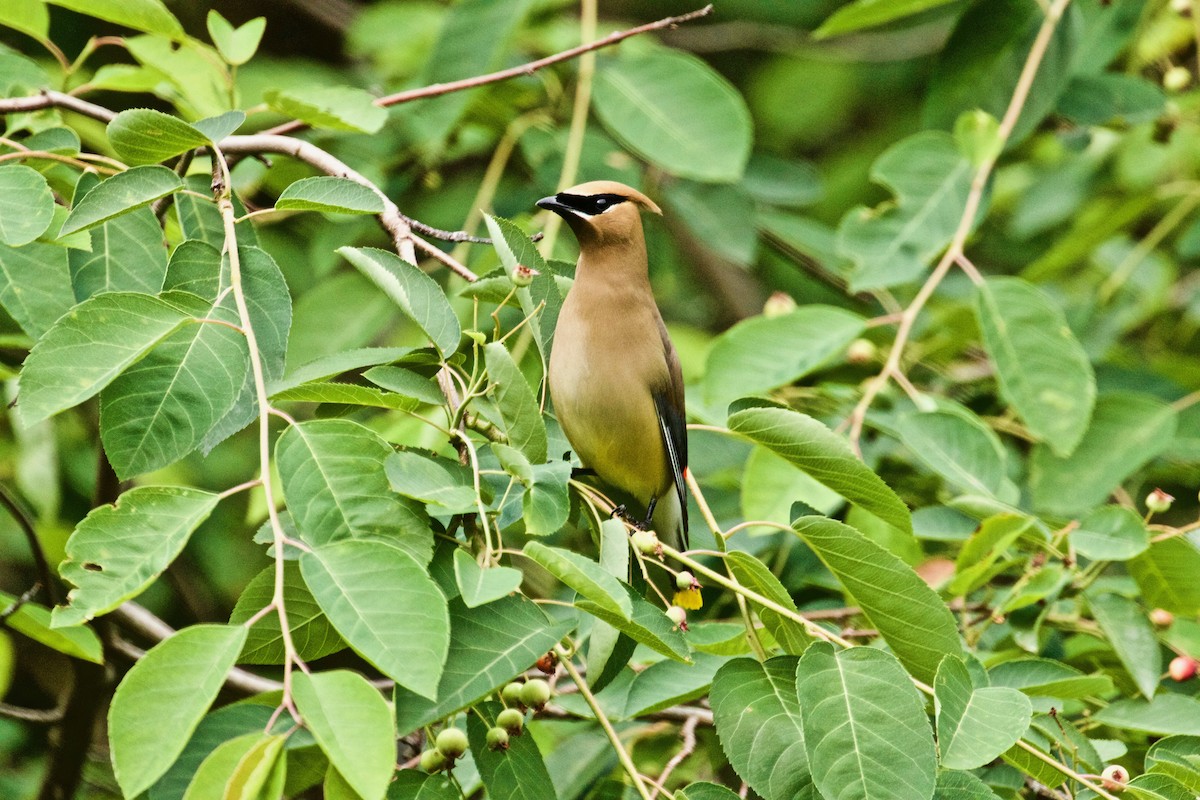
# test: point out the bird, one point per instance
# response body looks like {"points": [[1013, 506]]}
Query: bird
{"points": [[614, 375]]}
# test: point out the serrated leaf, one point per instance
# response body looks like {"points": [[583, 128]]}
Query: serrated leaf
{"points": [[1042, 677], [120, 194], [312, 633], [236, 45], [407, 383], [127, 252], [702, 790], [955, 785], [759, 723], [26, 16], [1042, 368], [146, 136], [865, 729], [1177, 757], [514, 247], [336, 108], [1165, 574], [479, 586], [754, 575], [959, 447], [35, 285], [676, 112], [173, 685], [150, 16], [893, 244], [26, 204], [385, 606], [1127, 629], [583, 575], [975, 724], [1111, 533], [518, 773], [647, 625], [670, 683], [332, 472], [825, 456], [349, 394], [760, 353], [442, 484], [489, 646], [330, 195], [118, 550], [519, 411], [218, 127], [34, 621], [418, 295], [94, 343], [1165, 715], [546, 504], [908, 614], [353, 725]]}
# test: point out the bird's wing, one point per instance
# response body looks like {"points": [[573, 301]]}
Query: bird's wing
{"points": [[672, 423]]}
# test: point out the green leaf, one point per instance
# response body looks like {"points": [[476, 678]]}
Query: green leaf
{"points": [[1127, 431], [435, 481], [720, 218], [1165, 574], [1111, 97], [676, 112], [479, 586], [670, 683], [162, 699], [27, 16], [236, 45], [409, 784], [335, 108], [219, 126], [787, 183], [760, 353], [1043, 371], [127, 253], [702, 790], [352, 723], [862, 14], [546, 504], [330, 195], [754, 575], [117, 551], [332, 472], [865, 729], [1127, 629], [985, 547], [1177, 757], [312, 633], [215, 772], [215, 729], [608, 649], [893, 244], [385, 606], [1153, 786], [955, 785], [489, 646], [975, 725], [771, 485], [406, 382], [146, 136], [514, 247], [647, 625], [958, 446], [34, 621], [758, 720], [1041, 677], [908, 614], [418, 295], [825, 456], [1111, 533], [1165, 715], [518, 407], [258, 771], [94, 343], [26, 204], [583, 575], [150, 16], [121, 194], [348, 394], [518, 773], [35, 285]]}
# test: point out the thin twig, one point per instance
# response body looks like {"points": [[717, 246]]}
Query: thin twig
{"points": [[25, 523], [688, 731]]}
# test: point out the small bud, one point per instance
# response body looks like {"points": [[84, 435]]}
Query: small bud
{"points": [[511, 694], [548, 663], [511, 720], [478, 337], [647, 543], [523, 275], [1181, 668], [497, 739], [1114, 778], [451, 743], [861, 351], [1161, 617], [1158, 501], [535, 694], [678, 617], [1176, 79], [433, 761], [778, 304], [686, 580]]}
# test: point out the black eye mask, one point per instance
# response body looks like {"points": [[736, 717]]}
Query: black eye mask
{"points": [[589, 204]]}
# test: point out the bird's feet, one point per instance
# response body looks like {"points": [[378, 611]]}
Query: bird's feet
{"points": [[622, 513]]}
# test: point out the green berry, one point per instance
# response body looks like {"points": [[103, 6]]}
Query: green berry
{"points": [[512, 694], [1158, 501], [686, 580], [535, 693], [511, 720], [452, 743], [433, 761], [646, 542], [678, 617], [497, 739]]}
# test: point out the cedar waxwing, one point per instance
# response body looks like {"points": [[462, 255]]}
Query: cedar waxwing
{"points": [[614, 374]]}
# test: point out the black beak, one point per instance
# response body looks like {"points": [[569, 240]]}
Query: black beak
{"points": [[551, 203]]}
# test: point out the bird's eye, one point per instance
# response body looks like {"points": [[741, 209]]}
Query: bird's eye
{"points": [[601, 202]]}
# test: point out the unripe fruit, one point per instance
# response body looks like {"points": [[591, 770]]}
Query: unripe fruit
{"points": [[1158, 501], [778, 304], [497, 739], [686, 580], [1114, 778], [861, 351], [433, 761], [512, 694], [523, 275], [1181, 668], [678, 617], [1161, 617], [511, 720], [535, 693], [646, 542], [478, 337], [1176, 79], [452, 743]]}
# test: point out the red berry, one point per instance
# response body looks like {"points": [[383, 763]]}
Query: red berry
{"points": [[548, 663], [1114, 778], [1161, 617], [1181, 668]]}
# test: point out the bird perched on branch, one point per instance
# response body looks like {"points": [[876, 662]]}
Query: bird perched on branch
{"points": [[614, 374]]}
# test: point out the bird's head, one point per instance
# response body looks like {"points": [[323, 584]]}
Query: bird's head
{"points": [[601, 212]]}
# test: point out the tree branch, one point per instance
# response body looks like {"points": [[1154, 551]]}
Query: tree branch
{"points": [[25, 523]]}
